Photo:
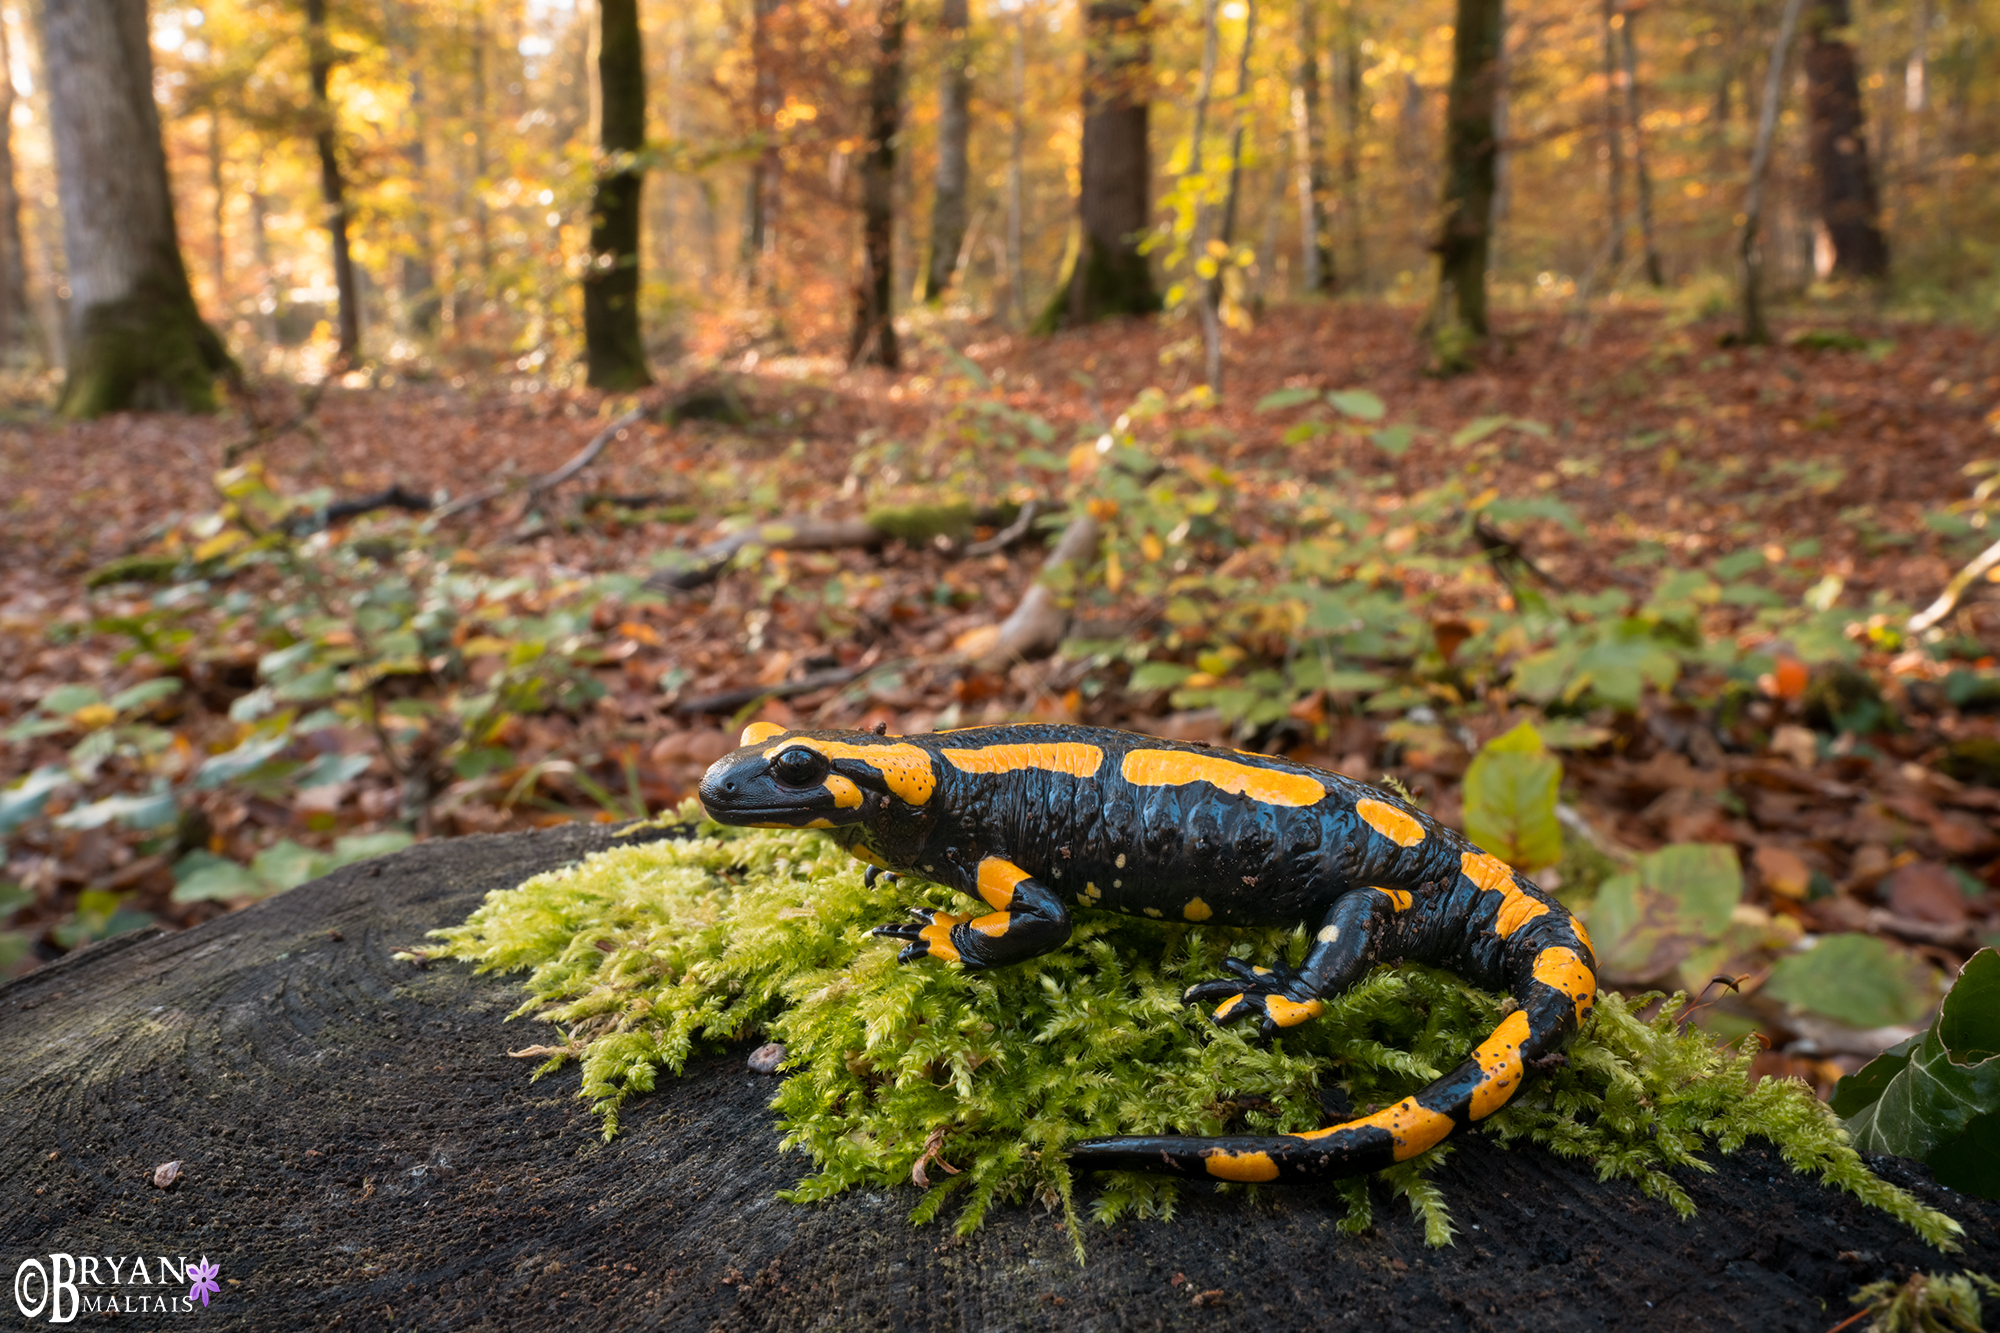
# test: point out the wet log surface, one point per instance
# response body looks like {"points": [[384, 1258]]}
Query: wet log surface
{"points": [[359, 1151]]}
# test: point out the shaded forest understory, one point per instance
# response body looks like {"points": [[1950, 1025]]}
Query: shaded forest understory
{"points": [[1858, 785]]}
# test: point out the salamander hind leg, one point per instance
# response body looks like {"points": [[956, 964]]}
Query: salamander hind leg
{"points": [[1279, 996], [1030, 920]]}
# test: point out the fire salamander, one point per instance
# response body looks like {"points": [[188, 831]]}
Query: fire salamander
{"points": [[1034, 820]]}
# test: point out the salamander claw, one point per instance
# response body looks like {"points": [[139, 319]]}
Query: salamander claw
{"points": [[929, 935], [1261, 992], [874, 873]]}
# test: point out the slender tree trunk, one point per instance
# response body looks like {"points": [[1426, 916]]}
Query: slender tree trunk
{"points": [[1109, 277], [1211, 326], [271, 295], [418, 281], [1231, 201], [1458, 322], [1849, 209], [613, 349], [1642, 179], [17, 323], [1750, 259], [1316, 267], [332, 183], [1017, 139], [954, 132], [1349, 79], [760, 203], [218, 259], [482, 221], [1614, 141], [137, 340], [873, 341]]}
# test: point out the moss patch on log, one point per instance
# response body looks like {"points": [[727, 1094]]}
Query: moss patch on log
{"points": [[640, 954]]}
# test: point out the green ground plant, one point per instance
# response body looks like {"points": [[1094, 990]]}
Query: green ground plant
{"points": [[642, 954]]}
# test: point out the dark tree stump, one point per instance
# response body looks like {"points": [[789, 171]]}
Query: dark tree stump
{"points": [[358, 1149]]}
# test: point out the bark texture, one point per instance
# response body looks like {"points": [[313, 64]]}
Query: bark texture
{"points": [[614, 352], [1459, 320], [1316, 264], [948, 185], [1108, 275], [17, 321], [1849, 210], [332, 181], [1753, 330], [1642, 178], [136, 339], [873, 340], [758, 252], [355, 1145]]}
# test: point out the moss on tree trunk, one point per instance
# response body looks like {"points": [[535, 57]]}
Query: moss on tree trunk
{"points": [[1458, 320], [150, 352]]}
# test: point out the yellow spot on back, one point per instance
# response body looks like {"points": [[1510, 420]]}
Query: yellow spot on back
{"points": [[906, 770], [1576, 924], [1249, 1167], [1173, 768], [1398, 826], [997, 878], [845, 794], [1398, 898], [1288, 1013], [1077, 760], [1500, 1069], [1493, 875], [1563, 969], [1196, 910], [760, 731]]}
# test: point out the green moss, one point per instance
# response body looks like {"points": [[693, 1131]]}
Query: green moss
{"points": [[148, 352], [1927, 1303], [640, 953], [134, 569]]}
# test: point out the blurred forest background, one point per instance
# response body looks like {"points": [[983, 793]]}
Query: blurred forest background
{"points": [[444, 417]]}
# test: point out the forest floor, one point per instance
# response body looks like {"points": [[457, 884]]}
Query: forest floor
{"points": [[1836, 466]]}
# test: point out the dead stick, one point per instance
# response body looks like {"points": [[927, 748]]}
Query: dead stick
{"points": [[1954, 590], [1038, 624], [728, 701], [583, 459]]}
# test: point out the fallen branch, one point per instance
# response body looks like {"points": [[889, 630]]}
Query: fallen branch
{"points": [[1008, 535], [1948, 599], [261, 434], [911, 523], [1038, 624], [582, 459], [341, 510], [1502, 550]]}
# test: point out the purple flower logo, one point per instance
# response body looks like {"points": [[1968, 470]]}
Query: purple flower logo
{"points": [[205, 1285]]}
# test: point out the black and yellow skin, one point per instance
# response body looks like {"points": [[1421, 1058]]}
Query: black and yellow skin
{"points": [[1035, 820]]}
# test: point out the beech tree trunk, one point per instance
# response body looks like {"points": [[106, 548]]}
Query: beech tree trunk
{"points": [[332, 183], [1849, 210], [17, 321], [1316, 265], [1017, 140], [760, 201], [873, 342], [1458, 321], [954, 134], [1614, 142], [418, 277], [613, 349], [1642, 179], [136, 338], [1109, 276], [1347, 77]]}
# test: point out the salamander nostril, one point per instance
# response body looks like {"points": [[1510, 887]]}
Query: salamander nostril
{"points": [[729, 785]]}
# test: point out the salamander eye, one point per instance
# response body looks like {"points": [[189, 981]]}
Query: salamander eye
{"points": [[800, 767]]}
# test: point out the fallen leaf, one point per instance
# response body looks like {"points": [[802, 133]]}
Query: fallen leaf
{"points": [[1784, 873], [1927, 891]]}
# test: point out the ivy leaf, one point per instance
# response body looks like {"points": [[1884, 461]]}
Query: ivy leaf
{"points": [[25, 799], [199, 876], [231, 765], [146, 693], [152, 810], [1510, 800], [1394, 440], [1158, 676], [1936, 1097], [1855, 979]]}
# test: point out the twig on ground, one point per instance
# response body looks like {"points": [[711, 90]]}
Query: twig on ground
{"points": [[1955, 589], [1008, 535], [728, 701], [1041, 619], [536, 488], [1502, 550], [393, 498]]}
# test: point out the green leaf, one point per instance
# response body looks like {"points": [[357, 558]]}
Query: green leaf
{"points": [[231, 765], [1936, 1097], [25, 799], [1855, 979], [146, 693], [66, 699], [286, 865], [1472, 432], [1508, 510], [1511, 791], [1283, 398], [1357, 403], [1158, 676], [153, 810], [368, 846], [1394, 440], [199, 876], [1648, 921], [331, 768]]}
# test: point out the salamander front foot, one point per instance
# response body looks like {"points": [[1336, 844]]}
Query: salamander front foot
{"points": [[1271, 994], [929, 935]]}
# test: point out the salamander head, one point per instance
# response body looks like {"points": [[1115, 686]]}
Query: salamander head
{"points": [[815, 779]]}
